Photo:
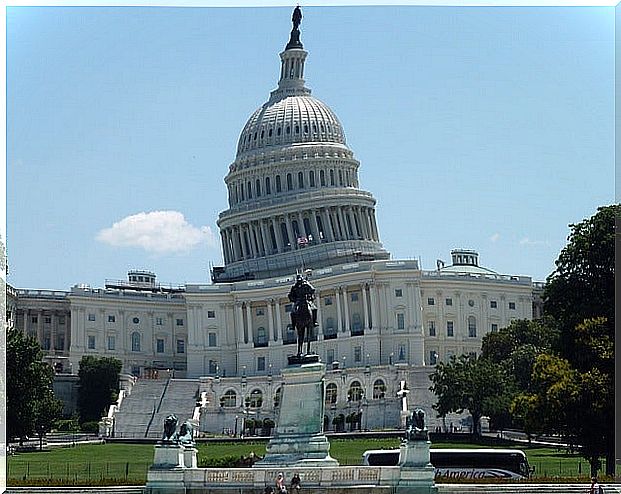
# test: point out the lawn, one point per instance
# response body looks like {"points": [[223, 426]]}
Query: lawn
{"points": [[128, 463]]}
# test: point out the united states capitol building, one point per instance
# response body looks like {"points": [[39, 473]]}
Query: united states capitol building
{"points": [[294, 204]]}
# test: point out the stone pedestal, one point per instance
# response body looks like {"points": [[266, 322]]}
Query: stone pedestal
{"points": [[168, 456], [417, 473], [299, 439], [166, 474], [190, 457]]}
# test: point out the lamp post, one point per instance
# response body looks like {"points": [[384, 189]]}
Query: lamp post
{"points": [[392, 354]]}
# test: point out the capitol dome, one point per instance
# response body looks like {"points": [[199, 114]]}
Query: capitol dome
{"points": [[288, 120]]}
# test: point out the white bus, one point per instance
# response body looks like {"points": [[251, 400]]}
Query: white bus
{"points": [[463, 463]]}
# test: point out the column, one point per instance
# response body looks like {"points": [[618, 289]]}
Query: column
{"points": [[276, 227], [242, 242], [365, 305], [327, 229], [303, 231], [249, 232], [256, 235], [346, 309], [315, 226], [363, 224], [339, 318], [373, 300], [354, 232], [265, 239], [367, 222], [224, 252], [40, 327], [249, 322], [341, 216], [292, 240], [278, 319], [270, 320], [234, 241], [374, 224], [239, 322], [54, 331]]}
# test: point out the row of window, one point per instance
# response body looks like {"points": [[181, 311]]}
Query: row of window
{"points": [[46, 320], [246, 190], [355, 393], [250, 139], [472, 328], [449, 301], [136, 343], [159, 321]]}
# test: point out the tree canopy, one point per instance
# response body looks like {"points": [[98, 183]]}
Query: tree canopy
{"points": [[31, 407], [98, 386]]}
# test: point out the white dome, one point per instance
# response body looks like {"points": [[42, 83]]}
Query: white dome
{"points": [[293, 119]]}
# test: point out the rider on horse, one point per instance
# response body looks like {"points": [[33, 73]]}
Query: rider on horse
{"points": [[300, 292]]}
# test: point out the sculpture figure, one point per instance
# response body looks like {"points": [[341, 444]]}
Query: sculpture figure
{"points": [[294, 41], [297, 17], [170, 426], [186, 434], [303, 312], [415, 429]]}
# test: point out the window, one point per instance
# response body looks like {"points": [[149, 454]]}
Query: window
{"points": [[277, 396], [398, 292], [401, 355], [354, 297], [512, 305], [91, 317], [357, 354], [379, 389], [331, 394], [211, 314], [47, 320], [494, 328], [400, 320], [431, 325], [111, 318], [179, 322], [493, 304], [61, 319], [159, 345], [278, 184], [433, 357], [330, 356], [300, 180], [159, 321], [180, 346], [449, 301], [449, 329], [431, 301], [260, 364], [91, 342], [322, 178], [472, 327], [111, 342], [212, 339], [135, 320], [289, 181], [260, 311], [327, 301], [46, 343], [34, 319], [228, 399], [355, 392], [311, 178], [213, 367], [135, 341], [261, 337], [255, 400]]}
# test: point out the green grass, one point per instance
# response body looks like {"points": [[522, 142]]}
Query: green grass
{"points": [[128, 463]]}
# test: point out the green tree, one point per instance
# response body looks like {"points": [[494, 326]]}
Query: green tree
{"points": [[98, 386], [31, 406], [470, 383]]}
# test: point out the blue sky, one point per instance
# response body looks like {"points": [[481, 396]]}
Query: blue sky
{"points": [[490, 128]]}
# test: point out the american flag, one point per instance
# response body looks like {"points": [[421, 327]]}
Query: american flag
{"points": [[302, 240]]}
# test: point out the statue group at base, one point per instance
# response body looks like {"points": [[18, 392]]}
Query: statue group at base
{"points": [[176, 449]]}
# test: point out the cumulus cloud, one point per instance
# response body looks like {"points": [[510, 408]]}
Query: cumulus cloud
{"points": [[157, 232], [495, 237], [527, 241]]}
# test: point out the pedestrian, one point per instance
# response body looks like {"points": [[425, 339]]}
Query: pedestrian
{"points": [[595, 487], [280, 484], [295, 483]]}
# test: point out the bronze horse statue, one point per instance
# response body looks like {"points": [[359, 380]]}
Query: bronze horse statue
{"points": [[302, 319]]}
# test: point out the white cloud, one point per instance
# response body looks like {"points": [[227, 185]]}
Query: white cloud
{"points": [[495, 237], [157, 232], [527, 241]]}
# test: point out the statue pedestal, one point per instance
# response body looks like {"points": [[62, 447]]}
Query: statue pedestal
{"points": [[168, 456], [298, 438], [166, 474], [417, 473], [189, 457]]}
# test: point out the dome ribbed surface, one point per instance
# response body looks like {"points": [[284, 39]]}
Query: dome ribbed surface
{"points": [[293, 119]]}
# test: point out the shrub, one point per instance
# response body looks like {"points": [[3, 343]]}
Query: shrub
{"points": [[91, 427]]}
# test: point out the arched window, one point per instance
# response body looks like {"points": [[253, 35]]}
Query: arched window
{"points": [[277, 397], [135, 341], [355, 391], [379, 389], [268, 187], [341, 178], [255, 400], [331, 394], [278, 185], [331, 177], [229, 399], [472, 327], [311, 178], [278, 132], [249, 191], [257, 188], [241, 188], [289, 181], [322, 178], [300, 180]]}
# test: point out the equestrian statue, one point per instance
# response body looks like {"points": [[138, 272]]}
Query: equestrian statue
{"points": [[304, 311]]}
